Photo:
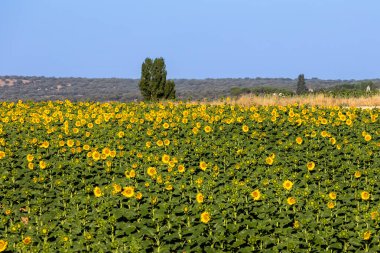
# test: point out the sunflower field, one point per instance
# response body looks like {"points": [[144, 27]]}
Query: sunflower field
{"points": [[165, 177]]}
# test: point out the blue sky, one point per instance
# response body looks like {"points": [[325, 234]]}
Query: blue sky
{"points": [[329, 39]]}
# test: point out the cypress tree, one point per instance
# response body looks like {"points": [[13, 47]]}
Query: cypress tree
{"points": [[301, 86], [169, 90], [153, 84], [145, 80]]}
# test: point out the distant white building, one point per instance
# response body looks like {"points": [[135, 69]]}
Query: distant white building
{"points": [[368, 89]]}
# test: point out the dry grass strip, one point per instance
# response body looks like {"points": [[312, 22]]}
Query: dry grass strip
{"points": [[312, 100]]}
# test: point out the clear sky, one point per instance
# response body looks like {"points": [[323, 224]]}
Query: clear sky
{"points": [[329, 39]]}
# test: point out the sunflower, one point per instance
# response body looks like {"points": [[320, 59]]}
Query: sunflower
{"points": [[203, 165], [299, 140], [128, 192], [2, 154], [116, 188], [357, 174], [245, 128], [269, 160], [199, 181], [165, 158], [296, 224], [366, 235], [291, 200], [27, 240], [29, 158], [159, 180], [169, 187], [205, 217], [181, 168], [113, 153], [97, 192], [374, 215], [120, 134], [166, 142], [153, 200], [332, 195], [365, 195], [256, 194], [166, 125], [171, 164], [31, 166], [95, 155], [70, 143], [106, 151], [331, 205], [367, 137], [152, 171], [160, 143], [287, 185], [42, 165], [200, 198], [310, 166], [3, 245], [139, 195], [332, 140], [45, 144], [208, 129]]}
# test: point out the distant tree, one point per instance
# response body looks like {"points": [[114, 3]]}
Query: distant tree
{"points": [[153, 84], [301, 86]]}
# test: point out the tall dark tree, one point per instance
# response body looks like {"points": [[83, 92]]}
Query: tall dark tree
{"points": [[146, 79], [153, 84], [301, 85]]}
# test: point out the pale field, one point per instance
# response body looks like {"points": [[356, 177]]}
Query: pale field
{"points": [[312, 100]]}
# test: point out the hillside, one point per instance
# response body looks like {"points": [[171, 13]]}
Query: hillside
{"points": [[105, 89]]}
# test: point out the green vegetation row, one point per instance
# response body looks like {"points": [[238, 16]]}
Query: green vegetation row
{"points": [[342, 91]]}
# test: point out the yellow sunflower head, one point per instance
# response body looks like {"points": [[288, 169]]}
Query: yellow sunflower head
{"points": [[287, 185], [256, 194], [310, 166], [365, 195], [205, 217], [128, 192]]}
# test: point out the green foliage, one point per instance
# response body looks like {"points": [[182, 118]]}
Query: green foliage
{"points": [[153, 84], [361, 86], [261, 90]]}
